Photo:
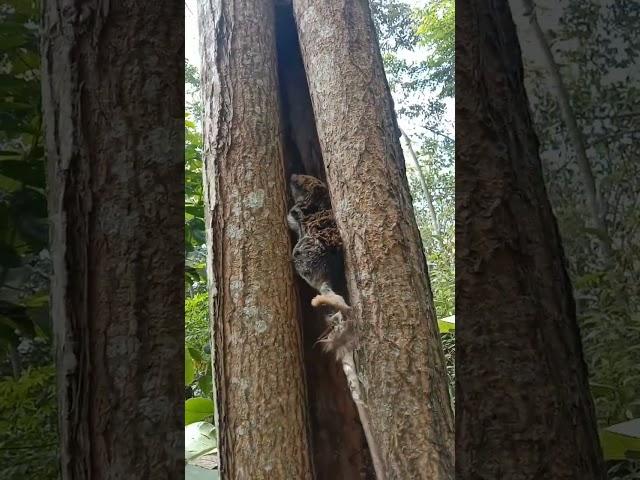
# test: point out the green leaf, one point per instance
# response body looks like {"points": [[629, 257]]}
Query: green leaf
{"points": [[188, 368], [27, 172], [195, 354], [195, 210], [447, 324], [621, 441], [602, 389], [205, 382], [197, 409]]}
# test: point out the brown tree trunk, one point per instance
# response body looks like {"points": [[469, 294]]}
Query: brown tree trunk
{"points": [[260, 386], [115, 160], [517, 343], [400, 359]]}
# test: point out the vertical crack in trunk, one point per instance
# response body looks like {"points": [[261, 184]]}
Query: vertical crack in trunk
{"points": [[339, 444]]}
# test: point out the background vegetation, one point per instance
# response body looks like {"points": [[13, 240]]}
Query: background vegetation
{"points": [[28, 421], [596, 50]]}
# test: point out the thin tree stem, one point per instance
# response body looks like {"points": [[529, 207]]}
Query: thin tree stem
{"points": [[423, 183], [575, 134]]}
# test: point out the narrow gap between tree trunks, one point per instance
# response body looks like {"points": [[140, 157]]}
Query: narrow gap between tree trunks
{"points": [[339, 445]]}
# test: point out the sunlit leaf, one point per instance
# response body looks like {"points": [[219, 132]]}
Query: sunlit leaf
{"points": [[197, 409]]}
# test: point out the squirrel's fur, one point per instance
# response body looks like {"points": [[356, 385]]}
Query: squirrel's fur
{"points": [[317, 257]]}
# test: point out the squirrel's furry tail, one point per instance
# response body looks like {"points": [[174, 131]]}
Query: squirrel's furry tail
{"points": [[341, 338], [331, 300]]}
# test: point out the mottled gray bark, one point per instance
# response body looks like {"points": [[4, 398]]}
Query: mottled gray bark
{"points": [[523, 408], [115, 164], [260, 387], [400, 361]]}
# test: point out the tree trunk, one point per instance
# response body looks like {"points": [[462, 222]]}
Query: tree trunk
{"points": [[400, 359], [517, 343], [260, 388], [115, 164]]}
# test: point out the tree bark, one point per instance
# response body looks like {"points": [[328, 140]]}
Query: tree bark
{"points": [[260, 388], [523, 408], [400, 359], [115, 164]]}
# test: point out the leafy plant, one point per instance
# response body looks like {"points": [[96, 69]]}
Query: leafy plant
{"points": [[23, 208], [198, 409], [29, 425], [28, 421]]}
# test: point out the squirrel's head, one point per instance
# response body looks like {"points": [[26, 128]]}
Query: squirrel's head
{"points": [[307, 188]]}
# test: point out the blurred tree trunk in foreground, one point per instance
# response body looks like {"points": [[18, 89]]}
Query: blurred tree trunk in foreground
{"points": [[518, 346]]}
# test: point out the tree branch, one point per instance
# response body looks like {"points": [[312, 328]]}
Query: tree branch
{"points": [[575, 134], [423, 183]]}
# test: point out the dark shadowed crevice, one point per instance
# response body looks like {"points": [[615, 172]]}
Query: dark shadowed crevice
{"points": [[337, 438]]}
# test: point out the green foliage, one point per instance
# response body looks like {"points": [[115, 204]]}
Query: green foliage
{"points": [[198, 409], [437, 31], [395, 25], [194, 204], [28, 425], [23, 207], [189, 369], [195, 237], [198, 368], [197, 339], [197, 321], [28, 422], [449, 348]]}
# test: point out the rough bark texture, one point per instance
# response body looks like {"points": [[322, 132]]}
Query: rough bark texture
{"points": [[400, 361], [258, 366], [115, 157], [338, 445], [523, 408]]}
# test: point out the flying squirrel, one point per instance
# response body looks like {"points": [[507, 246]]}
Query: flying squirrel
{"points": [[318, 256]]}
